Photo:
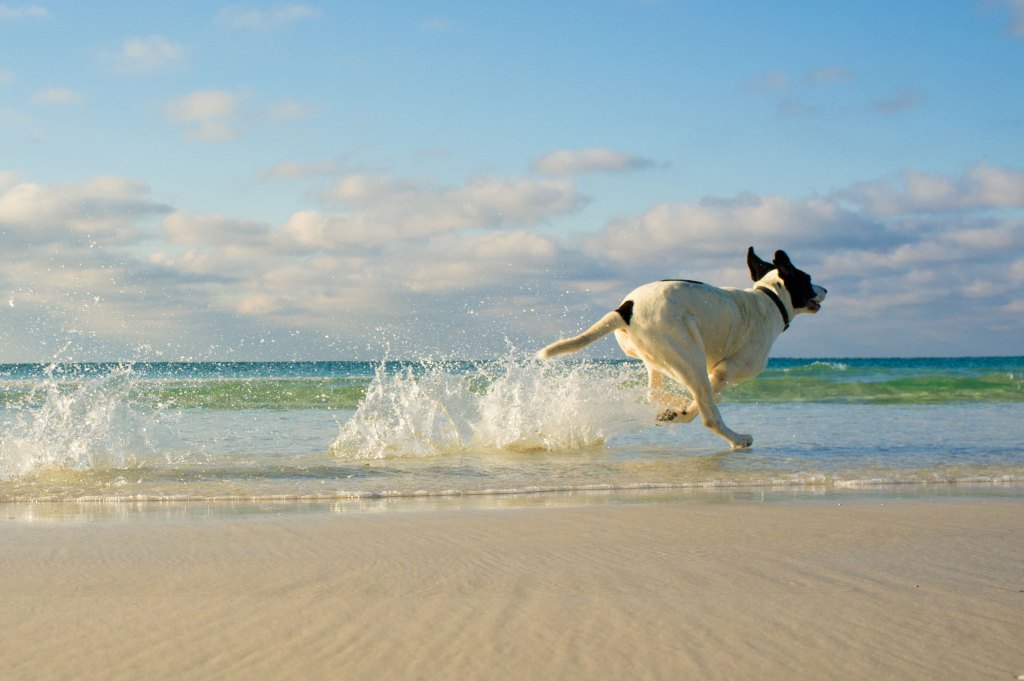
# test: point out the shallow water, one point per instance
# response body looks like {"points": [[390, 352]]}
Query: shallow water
{"points": [[344, 432]]}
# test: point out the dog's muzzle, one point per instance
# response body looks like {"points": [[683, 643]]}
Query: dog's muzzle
{"points": [[814, 304]]}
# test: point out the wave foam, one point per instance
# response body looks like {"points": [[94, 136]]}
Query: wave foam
{"points": [[78, 426], [510, 405]]}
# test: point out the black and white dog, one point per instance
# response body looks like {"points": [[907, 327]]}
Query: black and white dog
{"points": [[703, 336]]}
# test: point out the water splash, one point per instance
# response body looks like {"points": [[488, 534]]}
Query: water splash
{"points": [[512, 404], [77, 422]]}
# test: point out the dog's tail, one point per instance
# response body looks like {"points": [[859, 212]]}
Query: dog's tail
{"points": [[614, 320]]}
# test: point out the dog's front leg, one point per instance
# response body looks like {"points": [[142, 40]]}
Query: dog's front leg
{"points": [[705, 400]]}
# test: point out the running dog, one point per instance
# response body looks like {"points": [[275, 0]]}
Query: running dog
{"points": [[703, 336]]}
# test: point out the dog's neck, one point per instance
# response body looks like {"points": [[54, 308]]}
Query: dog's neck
{"points": [[772, 286], [778, 303]]}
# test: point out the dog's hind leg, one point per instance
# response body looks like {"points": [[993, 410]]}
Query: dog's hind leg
{"points": [[688, 366], [719, 378], [678, 409], [683, 410]]}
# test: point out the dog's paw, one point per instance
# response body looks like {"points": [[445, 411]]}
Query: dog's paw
{"points": [[668, 416], [742, 441]]}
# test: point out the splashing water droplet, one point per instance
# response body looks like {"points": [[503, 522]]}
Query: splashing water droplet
{"points": [[512, 404], [77, 421]]}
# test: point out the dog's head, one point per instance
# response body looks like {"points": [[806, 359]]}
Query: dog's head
{"points": [[783, 275]]}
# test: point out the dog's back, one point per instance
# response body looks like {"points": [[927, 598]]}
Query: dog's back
{"points": [[658, 308], [722, 317]]}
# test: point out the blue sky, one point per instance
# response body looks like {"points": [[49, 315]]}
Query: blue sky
{"points": [[345, 180]]}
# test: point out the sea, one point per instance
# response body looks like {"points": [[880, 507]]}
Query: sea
{"points": [[136, 439]]}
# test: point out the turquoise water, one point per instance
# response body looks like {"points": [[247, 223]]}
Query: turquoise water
{"points": [[253, 432], [342, 385]]}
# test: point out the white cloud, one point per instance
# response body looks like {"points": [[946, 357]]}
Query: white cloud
{"points": [[219, 115], [204, 105], [311, 230], [145, 55], [186, 229], [362, 189], [983, 289], [384, 209], [9, 13], [990, 187], [1005, 235], [450, 263], [208, 115], [103, 209], [718, 227], [73, 268], [259, 305], [980, 187], [265, 19], [57, 96], [580, 161]]}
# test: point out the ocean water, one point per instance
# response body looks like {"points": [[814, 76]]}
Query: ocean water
{"points": [[137, 434]]}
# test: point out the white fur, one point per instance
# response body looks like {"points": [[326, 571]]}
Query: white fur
{"points": [[701, 336]]}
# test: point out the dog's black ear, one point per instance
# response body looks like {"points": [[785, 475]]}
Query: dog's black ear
{"points": [[758, 268], [782, 260]]}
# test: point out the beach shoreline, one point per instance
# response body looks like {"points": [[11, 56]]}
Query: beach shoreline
{"points": [[202, 508], [852, 588]]}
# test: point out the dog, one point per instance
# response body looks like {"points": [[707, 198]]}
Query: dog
{"points": [[704, 337]]}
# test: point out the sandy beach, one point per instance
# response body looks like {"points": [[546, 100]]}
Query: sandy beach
{"points": [[924, 589]]}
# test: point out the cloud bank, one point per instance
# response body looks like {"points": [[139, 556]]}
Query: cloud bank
{"points": [[479, 258]]}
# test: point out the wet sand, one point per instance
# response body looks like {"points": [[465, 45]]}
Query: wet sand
{"points": [[799, 590]]}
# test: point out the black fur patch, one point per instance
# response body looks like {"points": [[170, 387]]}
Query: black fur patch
{"points": [[798, 283], [758, 268], [687, 281], [626, 311]]}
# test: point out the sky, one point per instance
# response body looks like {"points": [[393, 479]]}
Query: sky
{"points": [[406, 180]]}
